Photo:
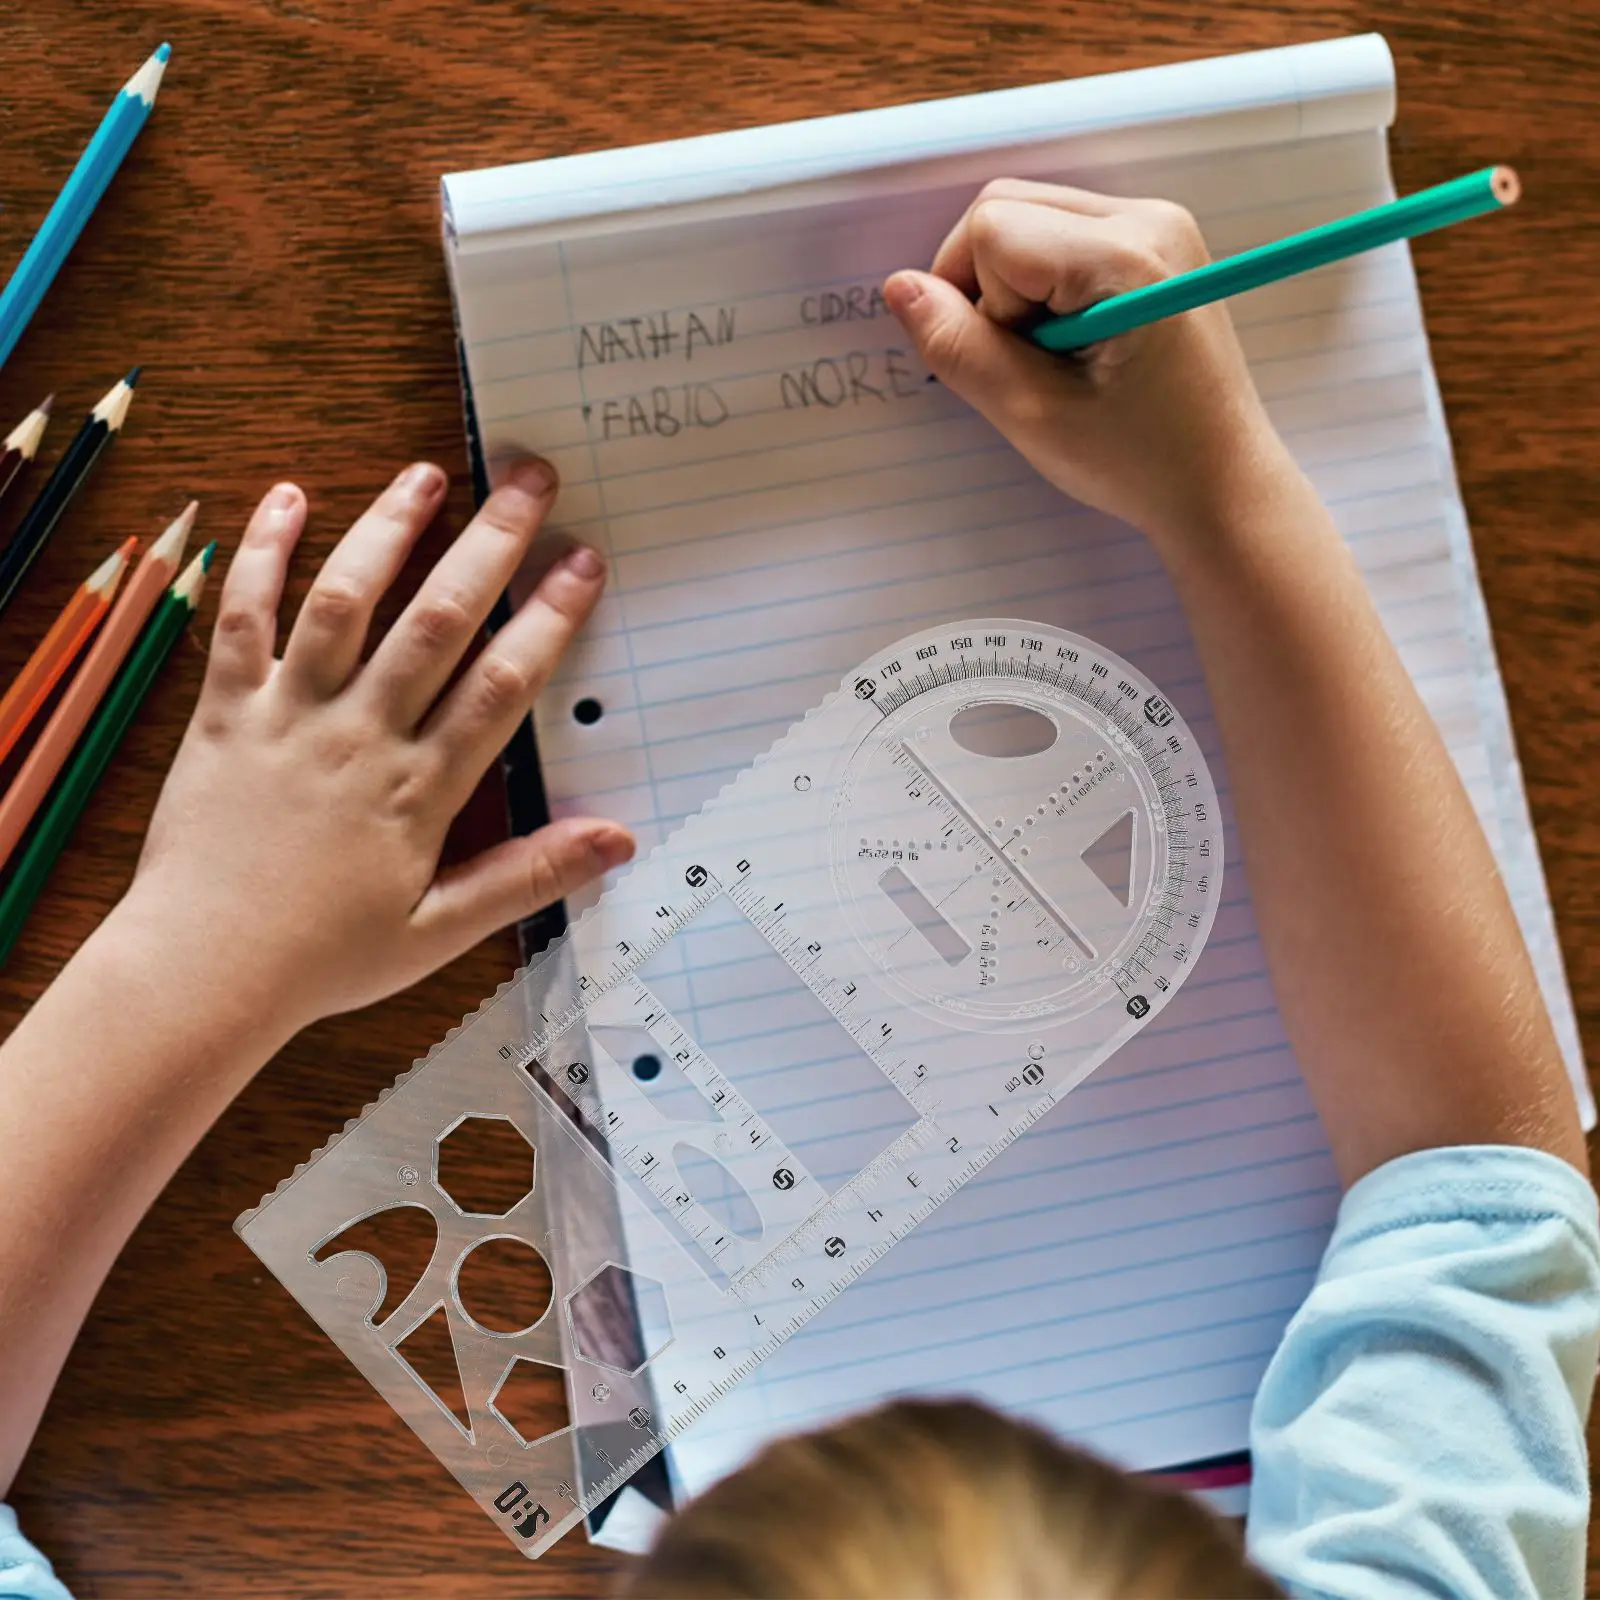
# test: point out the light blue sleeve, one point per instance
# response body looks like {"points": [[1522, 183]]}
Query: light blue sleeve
{"points": [[24, 1573], [1420, 1430]]}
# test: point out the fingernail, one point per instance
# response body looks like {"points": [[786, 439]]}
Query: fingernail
{"points": [[279, 507], [421, 479], [903, 291], [583, 562], [613, 847], [533, 475]]}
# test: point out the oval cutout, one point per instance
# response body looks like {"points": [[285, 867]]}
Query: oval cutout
{"points": [[717, 1190], [1000, 728]]}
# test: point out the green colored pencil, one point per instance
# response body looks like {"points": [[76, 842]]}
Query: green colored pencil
{"points": [[65, 805], [1492, 189]]}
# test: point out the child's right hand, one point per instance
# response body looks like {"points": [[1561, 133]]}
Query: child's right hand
{"points": [[1161, 426]]}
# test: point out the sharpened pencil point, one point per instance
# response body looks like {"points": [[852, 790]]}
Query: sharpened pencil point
{"points": [[44, 405], [145, 84], [170, 546], [25, 437], [193, 578], [208, 555], [132, 379], [105, 578]]}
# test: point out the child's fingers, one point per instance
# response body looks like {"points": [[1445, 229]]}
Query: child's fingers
{"points": [[326, 640], [246, 630], [953, 259], [1027, 256], [511, 881], [415, 660], [478, 716], [991, 369]]}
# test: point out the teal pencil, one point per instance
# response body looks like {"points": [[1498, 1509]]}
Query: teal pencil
{"points": [[89, 180], [1489, 190]]}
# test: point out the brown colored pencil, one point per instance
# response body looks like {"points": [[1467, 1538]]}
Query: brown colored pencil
{"points": [[55, 743], [59, 648], [21, 445]]}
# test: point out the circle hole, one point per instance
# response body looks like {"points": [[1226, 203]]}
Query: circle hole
{"points": [[647, 1067], [503, 1285], [588, 711]]}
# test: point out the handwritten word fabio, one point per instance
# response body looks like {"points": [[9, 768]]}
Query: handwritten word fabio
{"points": [[664, 412]]}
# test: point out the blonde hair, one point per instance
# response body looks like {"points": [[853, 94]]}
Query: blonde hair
{"points": [[941, 1501]]}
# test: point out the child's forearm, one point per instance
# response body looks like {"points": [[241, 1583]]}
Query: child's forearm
{"points": [[105, 1087], [1399, 967]]}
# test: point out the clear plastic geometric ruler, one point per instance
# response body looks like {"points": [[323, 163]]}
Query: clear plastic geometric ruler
{"points": [[992, 854]]}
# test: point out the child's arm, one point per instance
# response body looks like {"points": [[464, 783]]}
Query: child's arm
{"points": [[292, 871], [1399, 968]]}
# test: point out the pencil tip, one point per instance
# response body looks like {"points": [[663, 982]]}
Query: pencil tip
{"points": [[145, 84], [132, 379], [43, 407], [207, 556], [104, 579]]}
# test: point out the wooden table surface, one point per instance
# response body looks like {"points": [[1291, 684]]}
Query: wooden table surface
{"points": [[271, 255]]}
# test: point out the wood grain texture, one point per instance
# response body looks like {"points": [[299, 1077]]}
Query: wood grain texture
{"points": [[270, 253]]}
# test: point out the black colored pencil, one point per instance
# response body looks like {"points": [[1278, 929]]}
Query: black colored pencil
{"points": [[21, 445], [100, 427]]}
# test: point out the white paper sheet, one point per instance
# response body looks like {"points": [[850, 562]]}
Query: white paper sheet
{"points": [[689, 332]]}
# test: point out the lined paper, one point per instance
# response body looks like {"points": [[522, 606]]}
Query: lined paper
{"points": [[781, 491]]}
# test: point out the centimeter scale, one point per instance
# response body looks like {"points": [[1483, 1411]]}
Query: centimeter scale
{"points": [[993, 855]]}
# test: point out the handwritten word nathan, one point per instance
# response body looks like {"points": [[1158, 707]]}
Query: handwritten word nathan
{"points": [[654, 337]]}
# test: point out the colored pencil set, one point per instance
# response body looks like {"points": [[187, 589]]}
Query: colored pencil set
{"points": [[127, 628]]}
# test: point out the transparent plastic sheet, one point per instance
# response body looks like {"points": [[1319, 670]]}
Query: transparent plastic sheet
{"points": [[984, 863]]}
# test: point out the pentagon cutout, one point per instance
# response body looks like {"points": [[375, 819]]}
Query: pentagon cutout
{"points": [[530, 1400]]}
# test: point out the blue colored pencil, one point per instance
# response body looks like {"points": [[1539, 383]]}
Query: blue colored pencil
{"points": [[81, 193], [1491, 189]]}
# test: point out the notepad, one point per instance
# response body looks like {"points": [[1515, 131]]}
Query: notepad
{"points": [[693, 332]]}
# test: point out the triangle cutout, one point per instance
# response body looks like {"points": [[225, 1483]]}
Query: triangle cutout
{"points": [[1110, 857], [430, 1353]]}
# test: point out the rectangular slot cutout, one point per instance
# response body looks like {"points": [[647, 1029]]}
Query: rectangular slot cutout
{"points": [[778, 1045], [925, 917]]}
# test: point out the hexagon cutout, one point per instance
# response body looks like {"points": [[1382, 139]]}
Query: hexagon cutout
{"points": [[619, 1319], [483, 1165]]}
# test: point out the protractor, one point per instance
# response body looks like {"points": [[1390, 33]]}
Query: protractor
{"points": [[1027, 830]]}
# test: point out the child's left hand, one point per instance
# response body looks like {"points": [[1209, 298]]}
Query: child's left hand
{"points": [[292, 866]]}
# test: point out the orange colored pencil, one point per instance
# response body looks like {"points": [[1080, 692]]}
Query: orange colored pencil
{"points": [[59, 648], [149, 582]]}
